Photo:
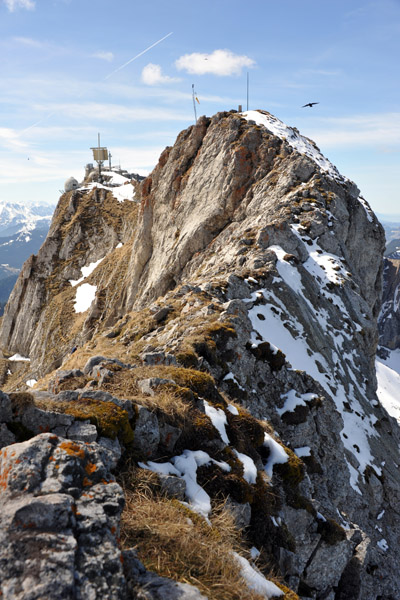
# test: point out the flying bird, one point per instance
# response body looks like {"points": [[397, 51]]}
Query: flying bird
{"points": [[310, 104]]}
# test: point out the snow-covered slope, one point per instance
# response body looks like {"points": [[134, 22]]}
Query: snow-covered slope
{"points": [[116, 182], [388, 375]]}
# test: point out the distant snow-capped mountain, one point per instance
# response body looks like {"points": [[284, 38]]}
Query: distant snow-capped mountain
{"points": [[23, 229], [20, 218]]}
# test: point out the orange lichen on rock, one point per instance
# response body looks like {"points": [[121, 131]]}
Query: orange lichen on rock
{"points": [[4, 473], [90, 468], [73, 449]]}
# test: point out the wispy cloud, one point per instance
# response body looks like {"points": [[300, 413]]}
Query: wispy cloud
{"points": [[137, 159], [112, 112], [36, 91], [220, 62], [57, 166], [381, 131], [29, 42], [322, 72], [152, 75], [11, 140], [107, 56], [12, 5], [40, 168]]}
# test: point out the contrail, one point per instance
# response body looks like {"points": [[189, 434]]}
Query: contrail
{"points": [[38, 122], [105, 78], [137, 56]]}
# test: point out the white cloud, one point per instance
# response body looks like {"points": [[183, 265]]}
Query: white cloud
{"points": [[10, 139], [28, 42], [95, 111], [380, 130], [142, 159], [152, 75], [57, 167], [14, 4], [108, 56], [220, 62]]}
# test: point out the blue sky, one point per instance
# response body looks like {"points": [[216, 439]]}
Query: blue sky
{"points": [[67, 73]]}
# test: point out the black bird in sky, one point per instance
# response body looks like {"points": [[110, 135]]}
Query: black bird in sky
{"points": [[310, 104]]}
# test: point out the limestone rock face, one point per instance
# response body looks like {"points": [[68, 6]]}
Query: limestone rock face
{"points": [[389, 318], [225, 177], [252, 274], [59, 522]]}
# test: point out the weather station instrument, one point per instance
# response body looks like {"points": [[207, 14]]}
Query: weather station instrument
{"points": [[100, 154]]}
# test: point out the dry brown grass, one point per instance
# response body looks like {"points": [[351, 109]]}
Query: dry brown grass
{"points": [[176, 543], [125, 382], [169, 403], [174, 400], [16, 381]]}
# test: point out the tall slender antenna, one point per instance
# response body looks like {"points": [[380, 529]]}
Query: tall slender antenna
{"points": [[194, 103], [247, 90]]}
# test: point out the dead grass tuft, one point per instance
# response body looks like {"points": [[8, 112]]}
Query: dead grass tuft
{"points": [[176, 543], [172, 404], [187, 383]]}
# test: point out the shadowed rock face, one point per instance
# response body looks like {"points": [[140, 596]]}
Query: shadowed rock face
{"points": [[248, 261], [389, 318]]}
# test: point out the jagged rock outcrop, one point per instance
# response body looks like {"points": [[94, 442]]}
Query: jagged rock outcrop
{"points": [[253, 276], [389, 318]]}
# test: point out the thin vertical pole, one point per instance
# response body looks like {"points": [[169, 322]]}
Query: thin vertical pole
{"points": [[247, 90], [194, 104], [99, 162]]}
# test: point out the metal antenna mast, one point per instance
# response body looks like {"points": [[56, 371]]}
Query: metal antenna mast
{"points": [[194, 103], [247, 90]]}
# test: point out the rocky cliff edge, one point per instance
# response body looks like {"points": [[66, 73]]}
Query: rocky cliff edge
{"points": [[247, 287]]}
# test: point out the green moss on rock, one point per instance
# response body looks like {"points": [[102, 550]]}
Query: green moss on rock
{"points": [[331, 532], [244, 430], [200, 383], [292, 471], [111, 420]]}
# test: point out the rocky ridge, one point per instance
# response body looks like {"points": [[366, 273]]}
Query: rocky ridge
{"points": [[234, 336]]}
